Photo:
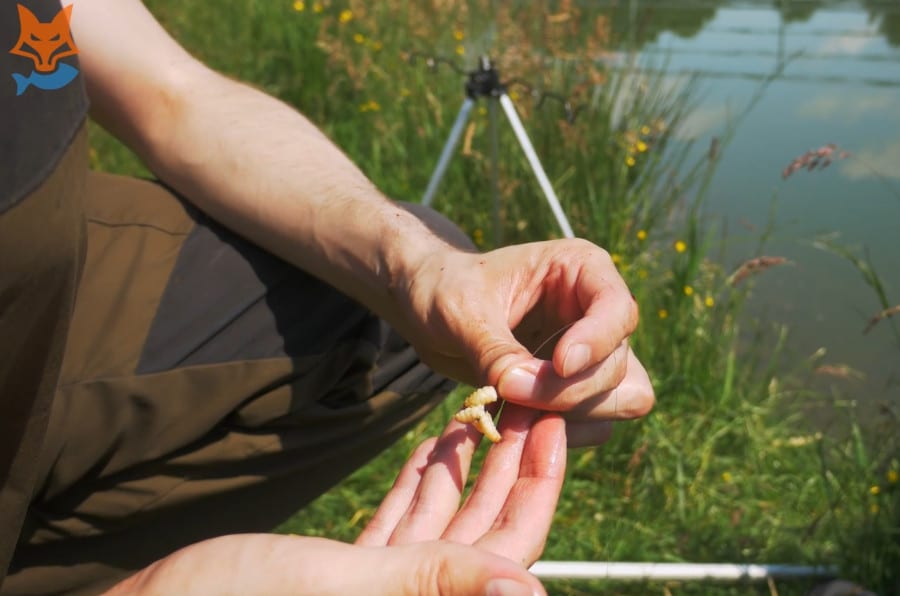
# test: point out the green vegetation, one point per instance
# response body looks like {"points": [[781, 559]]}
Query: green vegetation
{"points": [[725, 469]]}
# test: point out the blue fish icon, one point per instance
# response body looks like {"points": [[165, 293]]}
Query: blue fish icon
{"points": [[62, 76]]}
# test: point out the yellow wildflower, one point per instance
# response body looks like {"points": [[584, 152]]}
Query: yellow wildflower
{"points": [[641, 146], [642, 234], [370, 106], [680, 246], [709, 302], [726, 477], [458, 34], [346, 16], [688, 291], [663, 313], [460, 50], [318, 7], [645, 130], [874, 489], [359, 37], [629, 161], [299, 6], [377, 45], [616, 258], [893, 476]]}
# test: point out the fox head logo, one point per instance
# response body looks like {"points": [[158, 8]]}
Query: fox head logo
{"points": [[45, 44]]}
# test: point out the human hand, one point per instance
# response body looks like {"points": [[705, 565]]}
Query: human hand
{"points": [[478, 317], [511, 506], [420, 540]]}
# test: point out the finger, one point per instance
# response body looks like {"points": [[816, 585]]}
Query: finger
{"points": [[521, 528], [610, 316], [632, 398], [378, 531], [442, 568], [436, 499], [555, 393], [588, 434], [497, 476]]}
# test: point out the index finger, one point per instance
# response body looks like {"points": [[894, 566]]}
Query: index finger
{"points": [[521, 527], [610, 316]]}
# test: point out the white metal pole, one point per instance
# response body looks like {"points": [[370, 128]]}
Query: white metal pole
{"points": [[447, 151], [527, 147], [673, 571]]}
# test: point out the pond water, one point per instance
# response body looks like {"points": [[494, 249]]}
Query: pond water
{"points": [[795, 76]]}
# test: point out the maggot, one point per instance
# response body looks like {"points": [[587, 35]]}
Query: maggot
{"points": [[473, 412], [481, 397]]}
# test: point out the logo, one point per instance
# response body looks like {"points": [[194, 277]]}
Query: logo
{"points": [[45, 44]]}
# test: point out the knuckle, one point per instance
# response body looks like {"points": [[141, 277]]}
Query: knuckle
{"points": [[640, 402], [495, 358]]}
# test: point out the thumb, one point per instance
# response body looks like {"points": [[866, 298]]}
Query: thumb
{"points": [[272, 565], [448, 568], [507, 365]]}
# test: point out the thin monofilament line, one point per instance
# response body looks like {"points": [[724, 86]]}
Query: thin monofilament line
{"points": [[553, 336]]}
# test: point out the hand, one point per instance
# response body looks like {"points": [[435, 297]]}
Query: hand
{"points": [[419, 542], [511, 506], [477, 317]]}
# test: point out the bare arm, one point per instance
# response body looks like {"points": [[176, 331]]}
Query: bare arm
{"points": [[248, 160]]}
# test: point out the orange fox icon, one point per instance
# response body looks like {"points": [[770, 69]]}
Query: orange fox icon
{"points": [[45, 43]]}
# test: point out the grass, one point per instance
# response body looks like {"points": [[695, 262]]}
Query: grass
{"points": [[725, 469]]}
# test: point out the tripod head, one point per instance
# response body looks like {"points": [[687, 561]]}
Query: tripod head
{"points": [[484, 81]]}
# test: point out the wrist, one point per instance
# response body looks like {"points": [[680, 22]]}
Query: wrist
{"points": [[408, 246]]}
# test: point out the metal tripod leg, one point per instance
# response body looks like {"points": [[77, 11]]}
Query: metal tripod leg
{"points": [[522, 136], [447, 151], [495, 172], [536, 166]]}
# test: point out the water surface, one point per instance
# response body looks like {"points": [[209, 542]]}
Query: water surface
{"points": [[810, 73]]}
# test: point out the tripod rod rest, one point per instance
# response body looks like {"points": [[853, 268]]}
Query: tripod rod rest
{"points": [[484, 81]]}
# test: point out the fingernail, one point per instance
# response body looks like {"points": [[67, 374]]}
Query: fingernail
{"points": [[576, 360], [517, 384], [507, 587]]}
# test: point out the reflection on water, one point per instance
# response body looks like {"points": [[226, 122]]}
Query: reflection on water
{"points": [[829, 72], [687, 18]]}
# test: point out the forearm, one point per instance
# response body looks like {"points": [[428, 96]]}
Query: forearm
{"points": [[265, 171], [248, 160]]}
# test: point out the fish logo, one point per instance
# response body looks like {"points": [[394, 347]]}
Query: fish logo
{"points": [[45, 44]]}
